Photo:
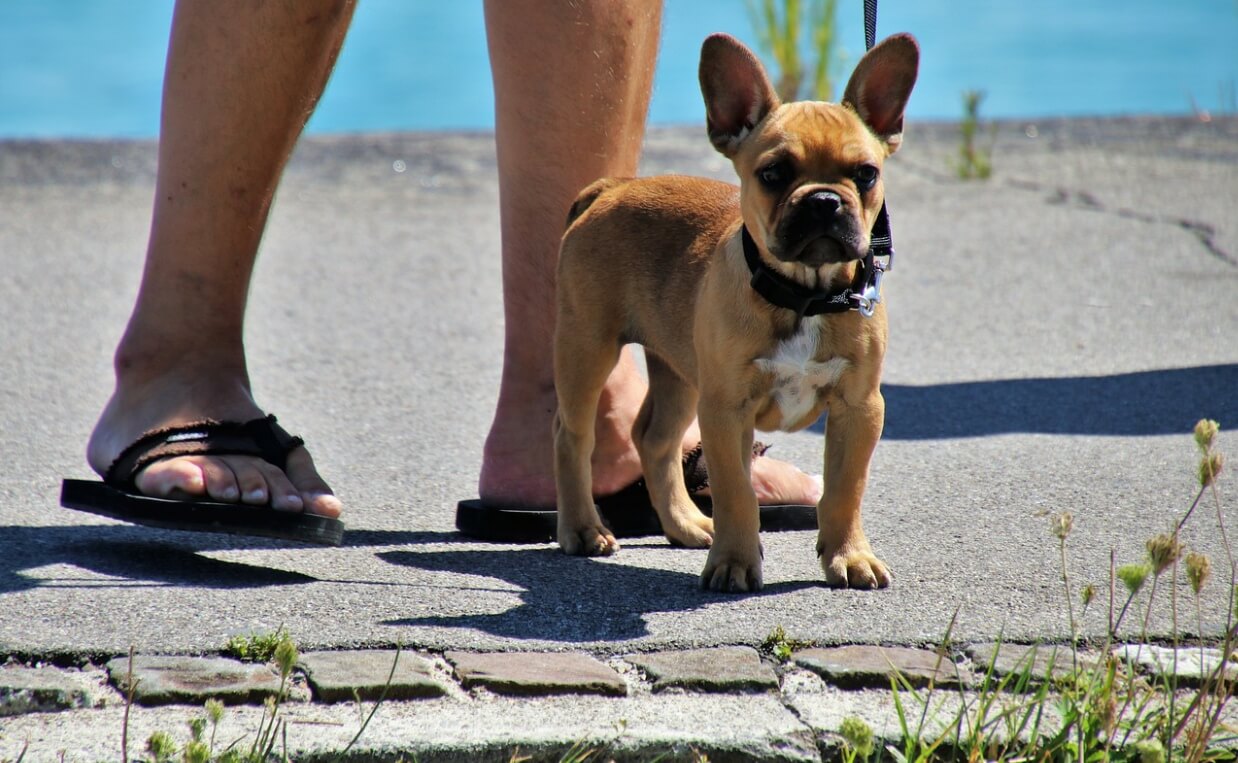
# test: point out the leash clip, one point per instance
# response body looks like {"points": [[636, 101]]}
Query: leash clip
{"points": [[866, 300]]}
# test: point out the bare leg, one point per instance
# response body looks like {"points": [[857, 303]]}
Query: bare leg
{"points": [[572, 84], [241, 80]]}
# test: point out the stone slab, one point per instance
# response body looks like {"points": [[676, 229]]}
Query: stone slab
{"points": [[364, 673], [164, 680], [669, 727], [1191, 664], [1040, 661], [47, 689], [874, 666], [536, 673], [719, 669]]}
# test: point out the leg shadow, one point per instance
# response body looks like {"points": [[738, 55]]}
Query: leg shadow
{"points": [[1145, 403], [569, 599]]}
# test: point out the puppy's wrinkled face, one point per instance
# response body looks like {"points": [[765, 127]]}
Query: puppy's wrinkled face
{"points": [[811, 183], [809, 172]]}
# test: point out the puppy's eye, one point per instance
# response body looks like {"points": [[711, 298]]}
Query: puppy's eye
{"points": [[865, 176], [774, 176]]}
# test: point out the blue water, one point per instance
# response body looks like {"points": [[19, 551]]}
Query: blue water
{"points": [[93, 68]]}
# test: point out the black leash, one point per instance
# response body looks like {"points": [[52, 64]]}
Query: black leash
{"points": [[881, 240], [870, 24]]}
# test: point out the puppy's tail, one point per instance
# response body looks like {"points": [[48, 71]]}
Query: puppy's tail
{"points": [[591, 193]]}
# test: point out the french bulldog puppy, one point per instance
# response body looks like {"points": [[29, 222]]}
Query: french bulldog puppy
{"points": [[758, 307]]}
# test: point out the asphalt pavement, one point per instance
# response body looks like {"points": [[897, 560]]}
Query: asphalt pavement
{"points": [[1056, 332]]}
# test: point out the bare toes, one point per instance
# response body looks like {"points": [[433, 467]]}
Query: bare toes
{"points": [[282, 495], [316, 496], [250, 480], [220, 479], [172, 478]]}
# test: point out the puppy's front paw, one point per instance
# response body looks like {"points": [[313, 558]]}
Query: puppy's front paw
{"points": [[732, 571], [589, 540], [854, 567]]}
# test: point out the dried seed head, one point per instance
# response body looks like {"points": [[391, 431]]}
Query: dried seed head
{"points": [[1061, 524], [1209, 467], [214, 711], [1163, 551], [1106, 710], [196, 751], [1198, 570], [1088, 594], [858, 736], [1133, 576], [286, 655], [1206, 434], [1150, 751], [161, 745]]}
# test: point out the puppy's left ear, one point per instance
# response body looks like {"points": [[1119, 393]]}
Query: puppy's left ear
{"points": [[882, 83], [737, 91]]}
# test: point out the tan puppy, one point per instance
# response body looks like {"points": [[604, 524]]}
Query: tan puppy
{"points": [[661, 261]]}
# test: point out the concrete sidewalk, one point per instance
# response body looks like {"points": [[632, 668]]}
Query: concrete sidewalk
{"points": [[1056, 331]]}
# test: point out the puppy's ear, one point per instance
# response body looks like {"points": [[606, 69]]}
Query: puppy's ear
{"points": [[881, 84], [737, 91]]}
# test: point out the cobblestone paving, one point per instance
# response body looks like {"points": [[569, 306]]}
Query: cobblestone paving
{"points": [[788, 710]]}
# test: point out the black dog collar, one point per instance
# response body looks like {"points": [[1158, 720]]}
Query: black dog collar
{"points": [[863, 294]]}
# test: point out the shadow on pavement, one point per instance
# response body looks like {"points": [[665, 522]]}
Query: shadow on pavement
{"points": [[159, 557], [566, 598], [1165, 402]]}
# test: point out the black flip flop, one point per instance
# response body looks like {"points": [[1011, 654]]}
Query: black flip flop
{"points": [[628, 513], [117, 496]]}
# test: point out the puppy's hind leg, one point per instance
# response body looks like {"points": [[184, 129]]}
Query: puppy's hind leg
{"points": [[582, 364], [668, 409]]}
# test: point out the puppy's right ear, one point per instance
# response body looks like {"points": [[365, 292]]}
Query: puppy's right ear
{"points": [[737, 91]]}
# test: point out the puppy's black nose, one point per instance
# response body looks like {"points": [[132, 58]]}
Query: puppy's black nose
{"points": [[824, 204]]}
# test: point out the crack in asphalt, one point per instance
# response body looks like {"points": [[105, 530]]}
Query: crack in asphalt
{"points": [[1203, 232]]}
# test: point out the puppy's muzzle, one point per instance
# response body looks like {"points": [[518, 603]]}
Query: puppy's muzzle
{"points": [[818, 230]]}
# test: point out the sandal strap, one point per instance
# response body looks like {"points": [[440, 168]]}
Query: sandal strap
{"points": [[695, 473], [260, 437]]}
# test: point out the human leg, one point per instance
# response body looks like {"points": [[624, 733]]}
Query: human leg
{"points": [[572, 84], [241, 80]]}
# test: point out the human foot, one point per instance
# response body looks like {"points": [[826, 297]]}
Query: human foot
{"points": [[518, 461], [171, 400]]}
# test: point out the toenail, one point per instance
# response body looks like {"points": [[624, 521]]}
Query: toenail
{"points": [[231, 494], [293, 502], [257, 495], [315, 497]]}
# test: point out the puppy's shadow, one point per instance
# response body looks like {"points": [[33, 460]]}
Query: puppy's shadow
{"points": [[570, 599]]}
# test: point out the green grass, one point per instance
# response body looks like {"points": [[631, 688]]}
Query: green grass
{"points": [[780, 646], [784, 29], [975, 162], [256, 647], [1105, 709]]}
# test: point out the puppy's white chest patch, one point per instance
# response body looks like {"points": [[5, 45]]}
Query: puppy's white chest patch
{"points": [[797, 377]]}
